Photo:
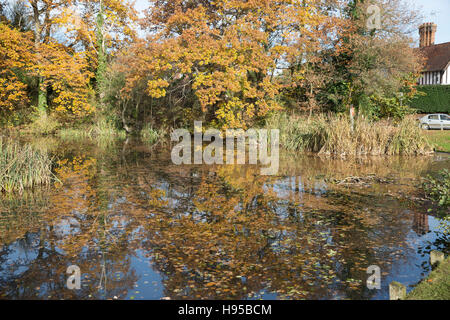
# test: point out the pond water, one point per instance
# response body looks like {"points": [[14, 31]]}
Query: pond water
{"points": [[139, 227]]}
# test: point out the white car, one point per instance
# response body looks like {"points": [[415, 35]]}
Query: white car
{"points": [[435, 121]]}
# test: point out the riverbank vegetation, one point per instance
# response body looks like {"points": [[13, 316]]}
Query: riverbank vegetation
{"points": [[98, 68], [337, 135], [436, 286], [23, 167], [437, 190], [101, 129], [150, 135]]}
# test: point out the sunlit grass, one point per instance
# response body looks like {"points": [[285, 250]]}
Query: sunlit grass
{"points": [[436, 286], [439, 139]]}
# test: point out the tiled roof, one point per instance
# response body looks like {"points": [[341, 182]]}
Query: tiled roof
{"points": [[437, 56]]}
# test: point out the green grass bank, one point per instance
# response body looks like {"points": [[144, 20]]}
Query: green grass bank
{"points": [[436, 286]]}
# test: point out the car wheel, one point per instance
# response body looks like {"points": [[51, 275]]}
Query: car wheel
{"points": [[425, 127]]}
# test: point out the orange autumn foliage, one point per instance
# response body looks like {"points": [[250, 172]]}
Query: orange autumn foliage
{"points": [[80, 21], [15, 55], [229, 51], [62, 69], [64, 66], [67, 73]]}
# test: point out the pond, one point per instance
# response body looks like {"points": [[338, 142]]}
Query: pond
{"points": [[140, 227]]}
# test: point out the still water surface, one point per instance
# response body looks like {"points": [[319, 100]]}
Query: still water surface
{"points": [[140, 227]]}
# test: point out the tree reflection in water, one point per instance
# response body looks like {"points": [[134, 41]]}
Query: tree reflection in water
{"points": [[210, 232]]}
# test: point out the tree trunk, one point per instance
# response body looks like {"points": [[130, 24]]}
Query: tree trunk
{"points": [[42, 93], [101, 55]]}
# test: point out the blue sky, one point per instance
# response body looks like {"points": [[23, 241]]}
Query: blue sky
{"points": [[437, 11]]}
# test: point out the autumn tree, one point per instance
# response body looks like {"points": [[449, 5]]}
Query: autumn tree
{"points": [[43, 13], [66, 64], [16, 59], [67, 73], [374, 62], [229, 52], [16, 15], [307, 74], [98, 27]]}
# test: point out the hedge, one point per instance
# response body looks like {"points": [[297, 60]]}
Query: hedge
{"points": [[436, 100]]}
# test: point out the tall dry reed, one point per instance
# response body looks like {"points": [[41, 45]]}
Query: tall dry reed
{"points": [[335, 135], [23, 167]]}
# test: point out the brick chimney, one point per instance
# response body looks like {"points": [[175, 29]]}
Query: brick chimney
{"points": [[427, 33]]}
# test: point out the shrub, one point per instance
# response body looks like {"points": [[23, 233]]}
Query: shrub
{"points": [[434, 99], [437, 189], [44, 124], [391, 108]]}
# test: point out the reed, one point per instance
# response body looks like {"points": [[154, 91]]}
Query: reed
{"points": [[102, 130], [335, 135], [23, 167], [409, 139]]}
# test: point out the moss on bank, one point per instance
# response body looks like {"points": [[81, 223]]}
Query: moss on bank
{"points": [[436, 286]]}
